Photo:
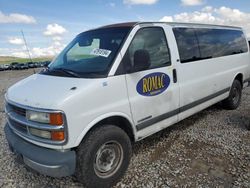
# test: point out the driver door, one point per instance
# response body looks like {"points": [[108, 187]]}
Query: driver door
{"points": [[153, 95]]}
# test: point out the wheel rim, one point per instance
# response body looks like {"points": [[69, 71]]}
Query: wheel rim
{"points": [[108, 159], [235, 95]]}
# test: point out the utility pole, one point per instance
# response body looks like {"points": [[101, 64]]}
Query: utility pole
{"points": [[25, 43]]}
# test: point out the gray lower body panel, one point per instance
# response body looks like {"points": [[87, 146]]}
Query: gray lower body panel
{"points": [[43, 160]]}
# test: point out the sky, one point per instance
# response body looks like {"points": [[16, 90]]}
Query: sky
{"points": [[48, 25]]}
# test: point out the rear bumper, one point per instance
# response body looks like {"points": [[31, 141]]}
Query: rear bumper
{"points": [[43, 160]]}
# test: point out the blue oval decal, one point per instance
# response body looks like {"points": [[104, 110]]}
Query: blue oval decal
{"points": [[153, 84]]}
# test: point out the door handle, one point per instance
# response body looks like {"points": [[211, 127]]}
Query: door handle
{"points": [[174, 76]]}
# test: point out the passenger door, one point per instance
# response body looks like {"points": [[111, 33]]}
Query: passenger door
{"points": [[196, 74], [152, 93]]}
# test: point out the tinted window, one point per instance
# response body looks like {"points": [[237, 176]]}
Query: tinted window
{"points": [[198, 44], [187, 44], [149, 42], [220, 42]]}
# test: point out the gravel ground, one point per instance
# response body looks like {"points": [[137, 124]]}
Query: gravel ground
{"points": [[209, 149]]}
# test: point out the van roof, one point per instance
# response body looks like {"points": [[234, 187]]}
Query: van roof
{"points": [[132, 24], [125, 24]]}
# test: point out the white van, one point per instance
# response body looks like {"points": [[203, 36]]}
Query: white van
{"points": [[118, 84]]}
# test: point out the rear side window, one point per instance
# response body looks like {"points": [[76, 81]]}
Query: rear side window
{"points": [[220, 42], [187, 44], [197, 44]]}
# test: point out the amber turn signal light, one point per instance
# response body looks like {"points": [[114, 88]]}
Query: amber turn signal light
{"points": [[57, 135], [56, 119]]}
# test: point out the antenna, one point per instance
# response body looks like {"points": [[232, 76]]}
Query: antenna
{"points": [[28, 51]]}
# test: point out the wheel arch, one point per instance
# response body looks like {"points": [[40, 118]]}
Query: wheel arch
{"points": [[239, 77], [118, 119]]}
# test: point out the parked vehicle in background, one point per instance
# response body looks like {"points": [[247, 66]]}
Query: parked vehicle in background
{"points": [[26, 66], [41, 64], [45, 63], [21, 66], [36, 64], [13, 65], [119, 84], [2, 67], [6, 66], [31, 65]]}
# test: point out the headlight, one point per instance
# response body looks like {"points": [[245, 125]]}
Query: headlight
{"points": [[43, 117], [40, 117], [40, 133], [52, 135]]}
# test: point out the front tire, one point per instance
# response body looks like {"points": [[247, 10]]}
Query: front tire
{"points": [[103, 156], [234, 98]]}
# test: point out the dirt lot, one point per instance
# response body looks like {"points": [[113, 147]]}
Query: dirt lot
{"points": [[209, 149]]}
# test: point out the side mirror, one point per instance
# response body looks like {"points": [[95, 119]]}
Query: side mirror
{"points": [[141, 60]]}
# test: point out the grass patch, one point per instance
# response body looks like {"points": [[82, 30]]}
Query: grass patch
{"points": [[8, 59]]}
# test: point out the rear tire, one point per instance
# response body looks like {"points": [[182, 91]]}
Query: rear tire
{"points": [[234, 98], [103, 156]]}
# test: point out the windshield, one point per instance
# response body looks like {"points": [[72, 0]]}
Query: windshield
{"points": [[90, 54]]}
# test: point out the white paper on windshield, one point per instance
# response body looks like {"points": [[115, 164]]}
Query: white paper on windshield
{"points": [[100, 52]]}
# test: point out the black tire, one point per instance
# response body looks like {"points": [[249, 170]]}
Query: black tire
{"points": [[234, 98], [89, 170], [248, 125]]}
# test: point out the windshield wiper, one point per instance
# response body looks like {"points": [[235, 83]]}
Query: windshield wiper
{"points": [[93, 74], [65, 71]]}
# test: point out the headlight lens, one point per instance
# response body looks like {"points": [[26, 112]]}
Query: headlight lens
{"points": [[43, 117], [40, 117], [40, 133]]}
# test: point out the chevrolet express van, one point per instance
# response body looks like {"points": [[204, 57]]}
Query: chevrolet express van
{"points": [[116, 85]]}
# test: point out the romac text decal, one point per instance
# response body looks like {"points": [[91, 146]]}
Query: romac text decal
{"points": [[153, 84]]}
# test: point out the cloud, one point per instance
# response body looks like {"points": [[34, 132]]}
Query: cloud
{"points": [[57, 38], [16, 40], [138, 2], [4, 51], [16, 52], [50, 51], [54, 29], [210, 15], [192, 2], [54, 49], [16, 18], [20, 54], [54, 32], [167, 19], [112, 5]]}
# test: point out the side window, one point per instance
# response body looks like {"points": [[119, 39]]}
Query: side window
{"points": [[187, 44], [220, 42], [147, 50]]}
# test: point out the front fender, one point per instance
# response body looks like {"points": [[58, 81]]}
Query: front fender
{"points": [[99, 119]]}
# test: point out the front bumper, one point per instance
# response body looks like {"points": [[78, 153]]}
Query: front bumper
{"points": [[43, 160]]}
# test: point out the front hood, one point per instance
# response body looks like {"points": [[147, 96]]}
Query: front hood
{"points": [[49, 92]]}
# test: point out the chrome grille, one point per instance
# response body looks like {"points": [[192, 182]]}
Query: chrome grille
{"points": [[18, 126], [18, 110]]}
